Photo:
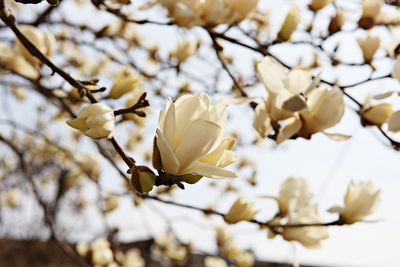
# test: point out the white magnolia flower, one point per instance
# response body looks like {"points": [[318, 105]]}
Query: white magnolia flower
{"points": [[361, 200], [295, 103], [310, 236], [183, 51], [316, 5], [14, 61], [290, 24], [377, 114], [241, 210], [325, 110], [368, 46], [96, 121], [190, 137], [11, 198], [133, 258], [394, 122], [209, 13], [396, 69], [44, 41], [371, 9], [293, 195], [337, 22], [101, 252], [214, 262], [124, 82]]}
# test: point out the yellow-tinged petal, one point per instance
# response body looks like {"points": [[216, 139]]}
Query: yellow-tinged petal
{"points": [[262, 121], [378, 114], [200, 138], [169, 161], [289, 128], [394, 122], [211, 171]]}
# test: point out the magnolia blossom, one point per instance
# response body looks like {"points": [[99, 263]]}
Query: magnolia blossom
{"points": [[183, 51], [290, 24], [101, 252], [396, 69], [337, 22], [189, 13], [241, 210], [293, 195], [394, 122], [361, 200], [316, 5], [214, 262], [368, 46], [133, 258], [377, 114], [310, 236], [371, 9], [11, 198], [190, 138], [96, 121], [295, 103], [43, 41], [19, 59], [124, 82]]}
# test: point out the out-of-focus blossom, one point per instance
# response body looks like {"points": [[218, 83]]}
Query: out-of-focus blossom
{"points": [[11, 198], [368, 46], [96, 121], [124, 82], [290, 24], [183, 51], [214, 262], [377, 114], [310, 236], [241, 210], [361, 200], [293, 195], [394, 122], [208, 13], [316, 5]]}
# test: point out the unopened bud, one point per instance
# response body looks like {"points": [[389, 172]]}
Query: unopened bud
{"points": [[143, 179]]}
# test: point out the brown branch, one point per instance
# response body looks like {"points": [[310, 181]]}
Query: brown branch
{"points": [[268, 224]]}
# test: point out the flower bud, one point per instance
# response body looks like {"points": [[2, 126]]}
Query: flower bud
{"points": [[110, 203], [290, 24], [368, 46], [394, 122], [143, 179], [241, 210], [337, 22], [96, 121], [377, 115], [316, 5], [101, 252], [124, 83]]}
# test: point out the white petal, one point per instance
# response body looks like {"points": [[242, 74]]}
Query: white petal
{"points": [[289, 128], [394, 122], [197, 141], [169, 124], [169, 161], [210, 171]]}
